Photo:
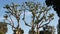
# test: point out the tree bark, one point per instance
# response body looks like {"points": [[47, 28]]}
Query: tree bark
{"points": [[37, 29], [32, 30]]}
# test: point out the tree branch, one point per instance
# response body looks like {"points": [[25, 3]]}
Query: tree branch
{"points": [[12, 22], [26, 24], [44, 24], [11, 25], [24, 20]]}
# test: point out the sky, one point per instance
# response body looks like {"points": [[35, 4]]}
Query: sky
{"points": [[22, 25]]}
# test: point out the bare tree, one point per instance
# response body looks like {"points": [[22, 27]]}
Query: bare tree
{"points": [[13, 10], [40, 15]]}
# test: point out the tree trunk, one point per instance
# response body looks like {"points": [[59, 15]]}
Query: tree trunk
{"points": [[33, 25], [18, 25], [37, 29], [32, 30]]}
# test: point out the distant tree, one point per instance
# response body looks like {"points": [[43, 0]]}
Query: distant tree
{"points": [[39, 15], [13, 11]]}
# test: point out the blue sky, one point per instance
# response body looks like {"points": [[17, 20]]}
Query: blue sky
{"points": [[23, 26]]}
